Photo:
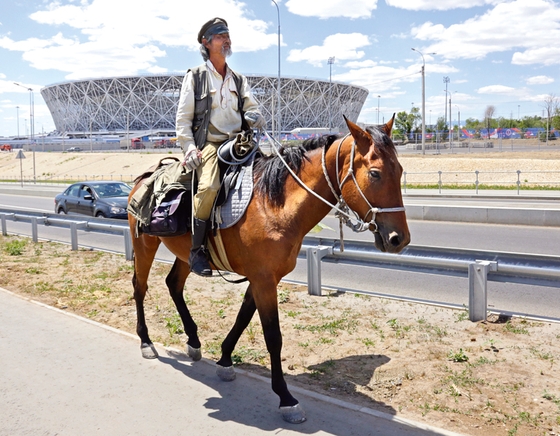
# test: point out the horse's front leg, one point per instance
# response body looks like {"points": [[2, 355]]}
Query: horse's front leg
{"points": [[267, 305], [225, 365], [175, 281]]}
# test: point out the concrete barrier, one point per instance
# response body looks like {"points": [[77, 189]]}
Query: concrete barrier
{"points": [[485, 215]]}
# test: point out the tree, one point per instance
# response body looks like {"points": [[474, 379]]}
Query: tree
{"points": [[405, 122], [551, 105], [488, 114]]}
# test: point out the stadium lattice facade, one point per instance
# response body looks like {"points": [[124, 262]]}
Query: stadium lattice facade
{"points": [[149, 103]]}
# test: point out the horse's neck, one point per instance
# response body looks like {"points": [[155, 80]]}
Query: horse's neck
{"points": [[308, 209]]}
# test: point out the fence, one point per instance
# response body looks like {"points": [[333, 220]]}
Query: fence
{"points": [[476, 180], [478, 266], [482, 179]]}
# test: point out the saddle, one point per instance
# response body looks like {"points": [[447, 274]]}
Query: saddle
{"points": [[162, 206]]}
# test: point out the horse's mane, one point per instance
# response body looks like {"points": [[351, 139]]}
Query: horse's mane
{"points": [[381, 138], [271, 173]]}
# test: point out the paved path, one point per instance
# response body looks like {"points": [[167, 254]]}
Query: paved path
{"points": [[64, 375]]}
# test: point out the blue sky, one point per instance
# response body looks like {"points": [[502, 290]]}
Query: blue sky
{"points": [[500, 53]]}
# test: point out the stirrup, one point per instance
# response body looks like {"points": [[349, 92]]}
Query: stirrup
{"points": [[199, 264]]}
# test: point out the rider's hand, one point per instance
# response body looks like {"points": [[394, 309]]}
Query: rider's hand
{"points": [[255, 119], [193, 157]]}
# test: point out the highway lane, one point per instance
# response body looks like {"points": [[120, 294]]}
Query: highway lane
{"points": [[535, 300]]}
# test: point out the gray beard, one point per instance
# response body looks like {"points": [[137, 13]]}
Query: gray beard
{"points": [[226, 52]]}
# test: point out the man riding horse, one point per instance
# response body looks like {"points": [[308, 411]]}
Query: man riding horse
{"points": [[215, 104]]}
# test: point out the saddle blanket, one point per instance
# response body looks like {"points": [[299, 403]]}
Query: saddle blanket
{"points": [[238, 199]]}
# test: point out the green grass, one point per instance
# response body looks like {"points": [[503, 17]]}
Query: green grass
{"points": [[481, 187], [16, 247]]}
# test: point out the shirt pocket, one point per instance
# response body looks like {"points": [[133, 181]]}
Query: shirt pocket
{"points": [[233, 95]]}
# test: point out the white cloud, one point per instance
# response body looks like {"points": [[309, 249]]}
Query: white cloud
{"points": [[507, 26], [539, 80], [496, 89], [104, 33], [332, 8], [437, 5], [546, 55], [341, 46]]}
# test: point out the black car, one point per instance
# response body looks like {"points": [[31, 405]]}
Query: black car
{"points": [[99, 199]]}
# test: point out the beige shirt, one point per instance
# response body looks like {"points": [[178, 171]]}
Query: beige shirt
{"points": [[225, 119]]}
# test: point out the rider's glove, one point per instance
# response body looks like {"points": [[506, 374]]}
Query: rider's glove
{"points": [[255, 119], [193, 157]]}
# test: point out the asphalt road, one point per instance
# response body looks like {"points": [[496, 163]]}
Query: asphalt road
{"points": [[510, 297], [65, 375]]}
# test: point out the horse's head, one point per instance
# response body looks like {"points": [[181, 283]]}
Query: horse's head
{"points": [[370, 184]]}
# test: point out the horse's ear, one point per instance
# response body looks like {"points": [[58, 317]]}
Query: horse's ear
{"points": [[357, 132], [388, 127]]}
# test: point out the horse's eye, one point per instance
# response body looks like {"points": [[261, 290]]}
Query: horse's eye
{"points": [[374, 174]]}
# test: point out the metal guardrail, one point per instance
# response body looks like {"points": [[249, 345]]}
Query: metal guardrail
{"points": [[478, 266], [74, 223]]}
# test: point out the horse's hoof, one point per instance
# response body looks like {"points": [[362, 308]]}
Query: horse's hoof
{"points": [[293, 414], [194, 353], [149, 351], [226, 373]]}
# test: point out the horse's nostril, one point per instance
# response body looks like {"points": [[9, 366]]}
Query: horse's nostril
{"points": [[394, 239]]}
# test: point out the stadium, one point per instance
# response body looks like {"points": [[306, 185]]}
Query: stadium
{"points": [[146, 105]]}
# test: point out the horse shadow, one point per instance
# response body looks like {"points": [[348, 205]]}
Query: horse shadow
{"points": [[250, 401]]}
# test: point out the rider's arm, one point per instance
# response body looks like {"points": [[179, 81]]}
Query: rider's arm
{"points": [[185, 114]]}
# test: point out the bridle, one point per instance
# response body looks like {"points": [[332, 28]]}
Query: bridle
{"points": [[342, 209]]}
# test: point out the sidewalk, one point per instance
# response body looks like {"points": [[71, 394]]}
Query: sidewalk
{"points": [[66, 375]]}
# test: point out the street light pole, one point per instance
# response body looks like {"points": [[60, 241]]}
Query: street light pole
{"points": [[423, 100], [31, 124], [330, 61], [17, 112], [278, 114], [446, 81]]}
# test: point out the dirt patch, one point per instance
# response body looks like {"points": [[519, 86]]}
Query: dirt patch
{"points": [[541, 167], [424, 363]]}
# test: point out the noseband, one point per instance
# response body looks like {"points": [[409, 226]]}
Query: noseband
{"points": [[342, 208]]}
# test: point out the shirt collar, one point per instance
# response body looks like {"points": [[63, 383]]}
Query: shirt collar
{"points": [[211, 67]]}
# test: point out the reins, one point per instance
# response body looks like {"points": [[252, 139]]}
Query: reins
{"points": [[341, 208]]}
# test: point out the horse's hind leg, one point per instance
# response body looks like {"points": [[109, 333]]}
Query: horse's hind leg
{"points": [[145, 249], [176, 282], [225, 364]]}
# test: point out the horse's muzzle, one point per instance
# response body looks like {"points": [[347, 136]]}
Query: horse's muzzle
{"points": [[392, 242]]}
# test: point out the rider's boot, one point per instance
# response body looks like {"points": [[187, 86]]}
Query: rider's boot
{"points": [[198, 259]]}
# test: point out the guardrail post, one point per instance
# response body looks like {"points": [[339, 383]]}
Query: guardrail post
{"points": [[74, 235], [3, 217], [478, 288], [74, 225], [314, 256], [34, 230], [128, 250]]}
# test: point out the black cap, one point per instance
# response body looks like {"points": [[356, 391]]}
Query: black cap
{"points": [[213, 27]]}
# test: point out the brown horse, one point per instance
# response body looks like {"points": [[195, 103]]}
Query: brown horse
{"points": [[360, 170]]}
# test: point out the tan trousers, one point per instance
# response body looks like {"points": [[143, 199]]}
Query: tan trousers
{"points": [[208, 175]]}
